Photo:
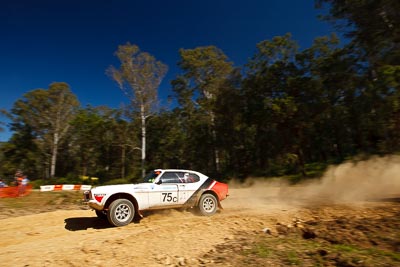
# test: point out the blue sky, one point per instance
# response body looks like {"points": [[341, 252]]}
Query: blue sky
{"points": [[73, 41]]}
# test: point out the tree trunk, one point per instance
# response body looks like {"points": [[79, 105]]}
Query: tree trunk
{"points": [[300, 162], [214, 137], [123, 156], [54, 155], [143, 117]]}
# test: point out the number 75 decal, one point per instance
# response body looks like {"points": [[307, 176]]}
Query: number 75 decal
{"points": [[168, 197]]}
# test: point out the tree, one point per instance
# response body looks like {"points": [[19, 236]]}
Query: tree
{"points": [[124, 140], [207, 72], [169, 141], [21, 152], [272, 102], [48, 114], [372, 27], [105, 155], [139, 77]]}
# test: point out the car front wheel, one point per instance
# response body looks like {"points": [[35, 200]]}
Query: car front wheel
{"points": [[208, 205], [120, 212]]}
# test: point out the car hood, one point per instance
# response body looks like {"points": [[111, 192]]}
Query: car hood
{"points": [[123, 187]]}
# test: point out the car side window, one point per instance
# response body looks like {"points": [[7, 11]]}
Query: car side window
{"points": [[193, 177], [188, 177], [170, 178]]}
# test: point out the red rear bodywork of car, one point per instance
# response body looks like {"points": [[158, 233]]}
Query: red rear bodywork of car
{"points": [[221, 189]]}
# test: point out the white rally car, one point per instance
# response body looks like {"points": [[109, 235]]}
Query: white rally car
{"points": [[161, 189]]}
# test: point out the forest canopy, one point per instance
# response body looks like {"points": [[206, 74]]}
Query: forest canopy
{"points": [[286, 109]]}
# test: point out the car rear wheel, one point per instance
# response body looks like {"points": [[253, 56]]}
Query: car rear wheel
{"points": [[208, 205], [120, 212]]}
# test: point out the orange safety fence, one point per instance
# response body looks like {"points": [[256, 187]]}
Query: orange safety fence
{"points": [[15, 191], [58, 187]]}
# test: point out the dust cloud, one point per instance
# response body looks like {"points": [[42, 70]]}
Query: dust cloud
{"points": [[354, 181], [372, 179]]}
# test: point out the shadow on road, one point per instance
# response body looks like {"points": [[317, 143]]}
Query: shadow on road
{"points": [[84, 223]]}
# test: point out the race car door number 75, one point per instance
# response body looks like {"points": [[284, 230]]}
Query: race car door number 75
{"points": [[169, 197]]}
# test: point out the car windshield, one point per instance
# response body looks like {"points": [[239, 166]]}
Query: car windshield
{"points": [[149, 178]]}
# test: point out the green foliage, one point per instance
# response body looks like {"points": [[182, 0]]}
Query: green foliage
{"points": [[118, 181], [292, 258], [100, 136], [41, 120], [260, 250], [70, 179], [378, 253], [38, 182], [206, 80], [286, 112], [295, 250]]}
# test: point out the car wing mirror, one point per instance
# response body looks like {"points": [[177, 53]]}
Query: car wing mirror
{"points": [[159, 182]]}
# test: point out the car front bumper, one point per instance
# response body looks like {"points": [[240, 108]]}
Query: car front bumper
{"points": [[92, 203]]}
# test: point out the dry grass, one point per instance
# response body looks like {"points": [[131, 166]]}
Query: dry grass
{"points": [[37, 202]]}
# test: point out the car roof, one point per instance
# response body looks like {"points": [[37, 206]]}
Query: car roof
{"points": [[177, 170]]}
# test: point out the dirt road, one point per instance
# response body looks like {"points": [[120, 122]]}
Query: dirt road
{"points": [[78, 237], [262, 224]]}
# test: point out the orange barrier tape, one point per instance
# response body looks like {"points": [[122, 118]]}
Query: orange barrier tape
{"points": [[15, 191], [59, 187]]}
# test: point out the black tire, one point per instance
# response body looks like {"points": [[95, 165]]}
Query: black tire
{"points": [[208, 205], [121, 212], [101, 214]]}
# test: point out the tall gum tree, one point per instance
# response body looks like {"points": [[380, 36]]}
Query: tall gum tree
{"points": [[48, 113], [139, 76], [207, 70]]}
